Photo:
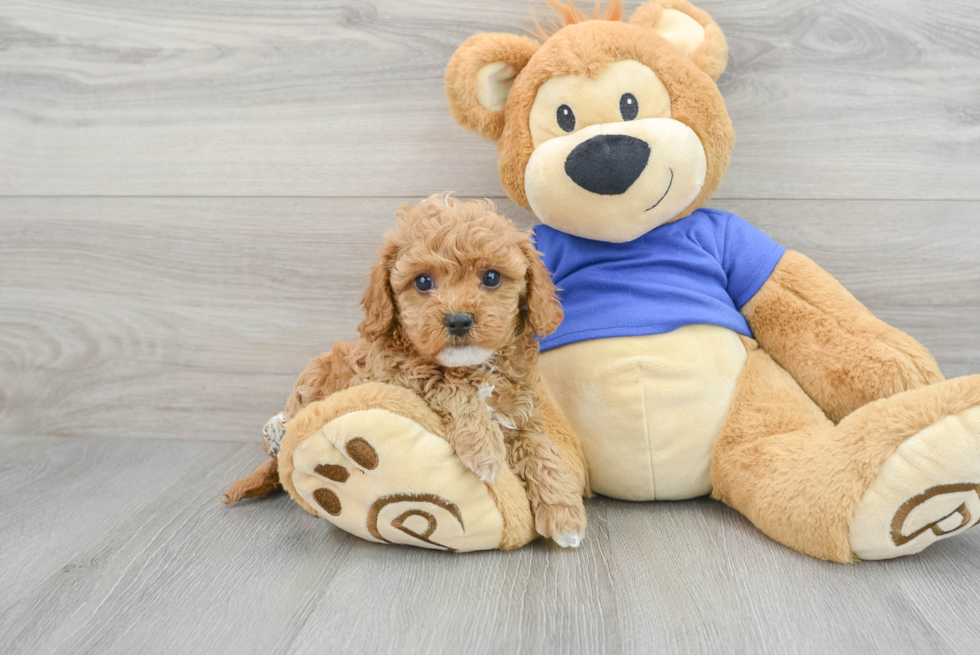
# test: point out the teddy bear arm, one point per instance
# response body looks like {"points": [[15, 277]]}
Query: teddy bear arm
{"points": [[839, 352]]}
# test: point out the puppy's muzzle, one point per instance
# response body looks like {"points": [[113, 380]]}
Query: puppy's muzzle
{"points": [[608, 164], [459, 323]]}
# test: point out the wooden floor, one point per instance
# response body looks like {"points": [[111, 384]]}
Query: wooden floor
{"points": [[190, 197]]}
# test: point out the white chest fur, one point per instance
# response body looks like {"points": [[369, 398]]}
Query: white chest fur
{"points": [[485, 390], [648, 409]]}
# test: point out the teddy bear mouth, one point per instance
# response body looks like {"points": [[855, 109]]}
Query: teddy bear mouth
{"points": [[669, 184]]}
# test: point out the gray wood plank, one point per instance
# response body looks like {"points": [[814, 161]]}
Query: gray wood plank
{"points": [[59, 497], [190, 318], [719, 585], [129, 551], [830, 98], [16, 445]]}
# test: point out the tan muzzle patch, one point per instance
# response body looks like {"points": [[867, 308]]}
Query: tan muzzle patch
{"points": [[557, 178]]}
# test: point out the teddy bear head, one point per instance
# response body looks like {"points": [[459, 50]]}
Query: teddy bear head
{"points": [[608, 128]]}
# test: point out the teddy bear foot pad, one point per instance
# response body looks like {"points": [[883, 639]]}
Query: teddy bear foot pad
{"points": [[928, 490], [384, 478]]}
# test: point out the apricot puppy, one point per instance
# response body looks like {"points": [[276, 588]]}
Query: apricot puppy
{"points": [[451, 312]]}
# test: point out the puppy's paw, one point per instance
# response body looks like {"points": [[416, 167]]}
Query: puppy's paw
{"points": [[570, 540], [272, 434], [563, 522], [485, 459], [489, 473]]}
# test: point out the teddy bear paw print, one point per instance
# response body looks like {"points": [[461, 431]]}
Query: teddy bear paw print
{"points": [[384, 478], [415, 522], [928, 490]]}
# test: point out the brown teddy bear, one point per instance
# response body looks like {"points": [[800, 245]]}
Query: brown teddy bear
{"points": [[696, 355]]}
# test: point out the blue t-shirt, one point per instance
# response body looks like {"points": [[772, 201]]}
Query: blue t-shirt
{"points": [[699, 270]]}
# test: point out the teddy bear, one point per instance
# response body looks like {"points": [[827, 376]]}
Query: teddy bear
{"points": [[697, 356]]}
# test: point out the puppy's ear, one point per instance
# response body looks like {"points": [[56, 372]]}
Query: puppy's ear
{"points": [[690, 29], [378, 300], [479, 77], [544, 312]]}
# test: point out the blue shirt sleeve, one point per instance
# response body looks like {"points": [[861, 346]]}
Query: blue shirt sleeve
{"points": [[748, 257]]}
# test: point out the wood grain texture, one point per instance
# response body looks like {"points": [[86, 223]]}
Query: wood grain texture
{"points": [[830, 98], [191, 318], [120, 546]]}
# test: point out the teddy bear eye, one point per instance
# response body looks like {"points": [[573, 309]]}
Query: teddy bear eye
{"points": [[423, 283], [628, 107], [491, 279], [566, 118]]}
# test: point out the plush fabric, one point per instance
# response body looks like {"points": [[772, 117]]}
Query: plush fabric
{"points": [[598, 99], [841, 354], [372, 431], [453, 508], [680, 29], [579, 199], [608, 164], [697, 271], [799, 478], [648, 409], [586, 49], [710, 54], [924, 480], [482, 71]]}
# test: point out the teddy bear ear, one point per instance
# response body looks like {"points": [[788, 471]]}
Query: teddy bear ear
{"points": [[479, 78], [690, 29]]}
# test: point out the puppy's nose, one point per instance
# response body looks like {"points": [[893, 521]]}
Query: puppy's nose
{"points": [[459, 323], [607, 164]]}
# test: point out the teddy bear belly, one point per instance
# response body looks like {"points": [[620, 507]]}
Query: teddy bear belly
{"points": [[648, 409]]}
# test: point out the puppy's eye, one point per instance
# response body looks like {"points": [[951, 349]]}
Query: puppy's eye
{"points": [[566, 118], [491, 279], [423, 283], [628, 107]]}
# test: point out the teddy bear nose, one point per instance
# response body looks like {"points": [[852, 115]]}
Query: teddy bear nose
{"points": [[607, 164], [459, 323]]}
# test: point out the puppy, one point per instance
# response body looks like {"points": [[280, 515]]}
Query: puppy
{"points": [[451, 312]]}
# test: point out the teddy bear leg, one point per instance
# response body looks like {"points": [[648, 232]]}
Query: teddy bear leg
{"points": [[889, 480], [928, 486], [373, 460]]}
